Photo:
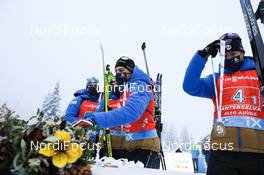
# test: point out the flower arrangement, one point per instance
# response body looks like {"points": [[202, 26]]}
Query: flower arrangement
{"points": [[40, 146]]}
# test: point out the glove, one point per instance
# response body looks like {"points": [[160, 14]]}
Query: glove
{"points": [[87, 121], [88, 115], [210, 50]]}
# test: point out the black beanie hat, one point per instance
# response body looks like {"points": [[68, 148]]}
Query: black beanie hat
{"points": [[126, 62], [233, 42]]}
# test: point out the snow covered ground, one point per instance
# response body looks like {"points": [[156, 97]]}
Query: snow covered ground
{"points": [[177, 164], [135, 171]]}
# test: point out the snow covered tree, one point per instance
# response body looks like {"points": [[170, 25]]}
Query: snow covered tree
{"points": [[51, 104], [169, 137], [185, 139], [172, 134]]}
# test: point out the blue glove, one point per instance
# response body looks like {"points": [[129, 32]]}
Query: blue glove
{"points": [[88, 115]]}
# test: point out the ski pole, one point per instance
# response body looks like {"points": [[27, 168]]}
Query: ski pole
{"points": [[143, 47], [219, 126], [215, 85], [222, 67], [107, 137]]}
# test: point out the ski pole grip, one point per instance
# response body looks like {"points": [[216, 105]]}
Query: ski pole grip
{"points": [[107, 67], [143, 47]]}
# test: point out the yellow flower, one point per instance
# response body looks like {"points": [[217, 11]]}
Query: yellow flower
{"points": [[65, 136], [63, 151]]}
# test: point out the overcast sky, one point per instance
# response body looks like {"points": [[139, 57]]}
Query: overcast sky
{"points": [[42, 42]]}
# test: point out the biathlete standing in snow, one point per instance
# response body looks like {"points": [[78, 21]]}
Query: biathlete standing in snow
{"points": [[136, 115], [86, 100], [240, 151]]}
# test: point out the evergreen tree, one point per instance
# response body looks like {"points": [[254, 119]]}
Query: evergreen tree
{"points": [[169, 137], [51, 104], [185, 139]]}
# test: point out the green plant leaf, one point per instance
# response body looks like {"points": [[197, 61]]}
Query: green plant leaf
{"points": [[23, 146], [17, 166]]}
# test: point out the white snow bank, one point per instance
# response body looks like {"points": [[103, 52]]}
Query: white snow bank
{"points": [[120, 163], [110, 166], [134, 171]]}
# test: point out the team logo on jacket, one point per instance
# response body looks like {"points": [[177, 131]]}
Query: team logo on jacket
{"points": [[237, 78], [228, 47], [145, 123], [234, 79], [90, 106], [115, 106]]}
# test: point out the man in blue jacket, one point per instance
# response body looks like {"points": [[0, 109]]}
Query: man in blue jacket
{"points": [[142, 141], [86, 100], [241, 150]]}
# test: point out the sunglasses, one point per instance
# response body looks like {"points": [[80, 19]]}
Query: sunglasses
{"points": [[229, 35], [125, 58]]}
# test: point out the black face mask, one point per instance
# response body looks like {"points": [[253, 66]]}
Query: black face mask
{"points": [[233, 64], [92, 91], [121, 78]]}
